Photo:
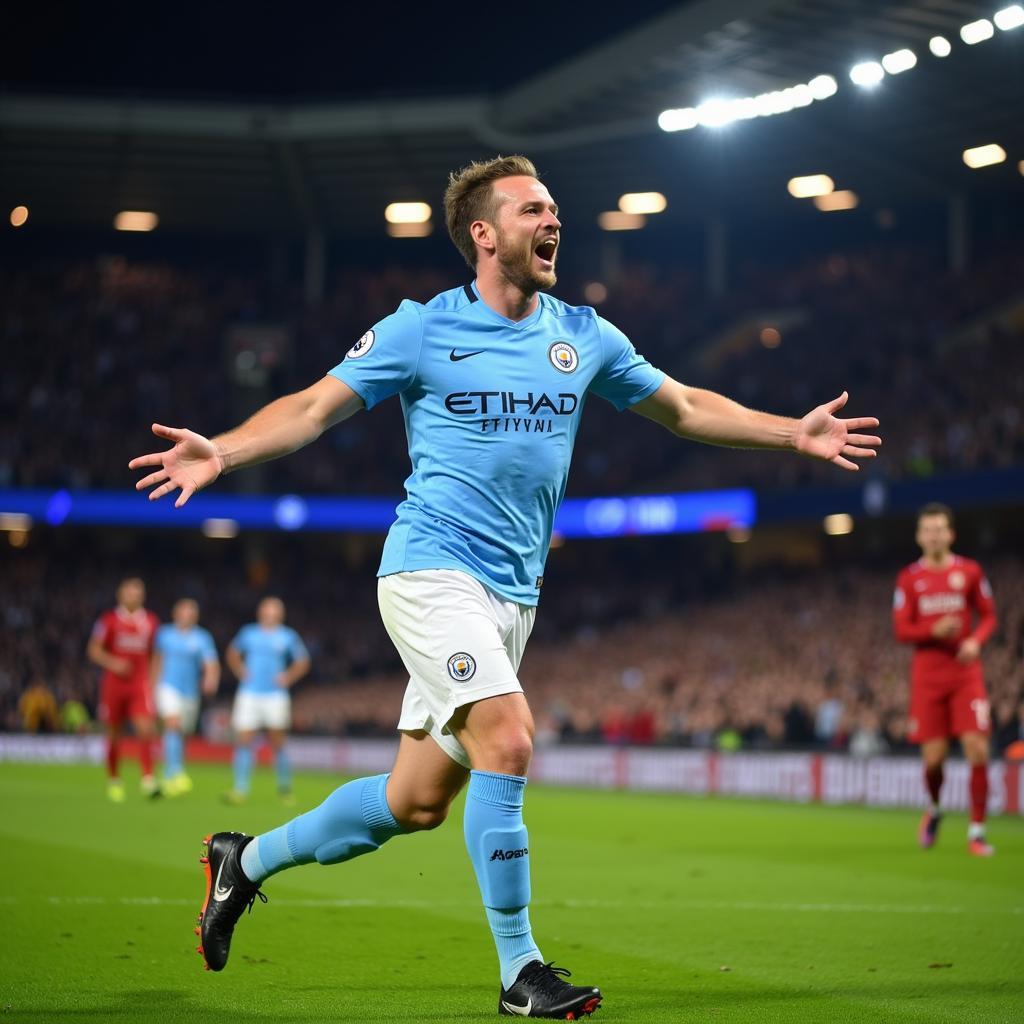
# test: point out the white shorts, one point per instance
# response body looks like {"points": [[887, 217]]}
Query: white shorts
{"points": [[254, 711], [172, 703], [459, 641]]}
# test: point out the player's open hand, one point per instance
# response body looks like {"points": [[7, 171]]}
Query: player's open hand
{"points": [[822, 435], [192, 464]]}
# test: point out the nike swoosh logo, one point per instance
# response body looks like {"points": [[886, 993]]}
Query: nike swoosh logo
{"points": [[220, 894], [519, 1011], [465, 355]]}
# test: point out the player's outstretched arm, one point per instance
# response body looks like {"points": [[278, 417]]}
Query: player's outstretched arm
{"points": [[281, 427], [714, 419]]}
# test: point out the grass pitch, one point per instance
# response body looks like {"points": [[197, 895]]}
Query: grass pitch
{"points": [[680, 909]]}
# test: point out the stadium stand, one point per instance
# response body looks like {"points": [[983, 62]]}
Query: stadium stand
{"points": [[868, 321]]}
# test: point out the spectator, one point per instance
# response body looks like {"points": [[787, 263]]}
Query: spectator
{"points": [[38, 708]]}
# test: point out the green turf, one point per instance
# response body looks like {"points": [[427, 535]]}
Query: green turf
{"points": [[680, 909]]}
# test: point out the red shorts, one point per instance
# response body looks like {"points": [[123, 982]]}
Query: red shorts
{"points": [[124, 701], [946, 708]]}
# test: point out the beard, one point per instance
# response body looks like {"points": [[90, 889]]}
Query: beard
{"points": [[517, 265]]}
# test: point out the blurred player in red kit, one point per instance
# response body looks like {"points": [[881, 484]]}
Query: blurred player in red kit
{"points": [[122, 645], [943, 605]]}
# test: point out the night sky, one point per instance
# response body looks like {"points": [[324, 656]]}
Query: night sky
{"points": [[297, 50]]}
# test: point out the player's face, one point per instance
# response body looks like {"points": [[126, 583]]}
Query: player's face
{"points": [[934, 535], [131, 594], [527, 233], [270, 612], [186, 614]]}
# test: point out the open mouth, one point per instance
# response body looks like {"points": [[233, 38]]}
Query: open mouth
{"points": [[545, 252]]}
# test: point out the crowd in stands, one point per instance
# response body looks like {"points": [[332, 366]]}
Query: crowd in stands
{"points": [[95, 351], [807, 661]]}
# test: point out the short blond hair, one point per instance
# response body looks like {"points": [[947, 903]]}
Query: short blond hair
{"points": [[469, 197]]}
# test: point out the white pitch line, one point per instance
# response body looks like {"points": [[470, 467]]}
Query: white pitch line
{"points": [[399, 904]]}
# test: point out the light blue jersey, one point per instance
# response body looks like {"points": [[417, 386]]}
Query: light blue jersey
{"points": [[183, 653], [491, 411], [267, 653]]}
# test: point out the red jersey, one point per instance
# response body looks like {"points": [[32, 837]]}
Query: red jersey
{"points": [[128, 635], [924, 595]]}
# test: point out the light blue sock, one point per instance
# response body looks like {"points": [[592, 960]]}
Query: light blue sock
{"points": [[174, 753], [243, 767], [283, 766], [499, 849], [355, 819]]}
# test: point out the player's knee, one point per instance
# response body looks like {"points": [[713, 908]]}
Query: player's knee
{"points": [[423, 819], [975, 749], [424, 812], [511, 751]]}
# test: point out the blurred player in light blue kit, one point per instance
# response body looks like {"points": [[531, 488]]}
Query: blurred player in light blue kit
{"points": [[268, 658], [186, 667]]}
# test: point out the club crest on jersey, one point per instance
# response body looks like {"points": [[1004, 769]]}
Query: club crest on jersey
{"points": [[563, 356], [957, 580], [461, 667], [362, 346]]}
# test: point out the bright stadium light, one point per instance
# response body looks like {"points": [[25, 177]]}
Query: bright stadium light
{"points": [[977, 31], [984, 156], [642, 202], [768, 103], [838, 525], [407, 213], [18, 216], [616, 220], [414, 230], [867, 74], [719, 110], [136, 220], [1020, 167], [678, 120], [899, 61], [782, 102], [810, 185], [801, 95], [844, 200], [940, 46], [220, 529], [1009, 18], [595, 293], [822, 87], [715, 113]]}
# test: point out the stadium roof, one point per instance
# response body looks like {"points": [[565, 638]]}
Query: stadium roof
{"points": [[589, 121]]}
